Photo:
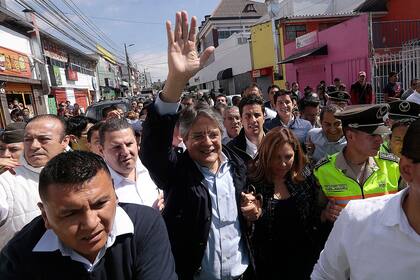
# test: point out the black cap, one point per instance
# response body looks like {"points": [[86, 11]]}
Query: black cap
{"points": [[339, 96], [13, 133], [411, 144], [367, 118], [402, 110]]}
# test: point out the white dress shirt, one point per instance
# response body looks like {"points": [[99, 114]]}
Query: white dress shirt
{"points": [[142, 191], [50, 242], [414, 97], [251, 148], [371, 239]]}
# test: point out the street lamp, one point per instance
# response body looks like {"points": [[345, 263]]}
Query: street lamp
{"points": [[128, 68]]}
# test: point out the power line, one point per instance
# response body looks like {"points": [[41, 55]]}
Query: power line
{"points": [[78, 30], [107, 40], [84, 38], [127, 20], [25, 5]]}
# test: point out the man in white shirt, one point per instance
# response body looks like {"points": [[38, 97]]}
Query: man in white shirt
{"points": [[44, 138], [415, 96], [132, 181], [379, 238]]}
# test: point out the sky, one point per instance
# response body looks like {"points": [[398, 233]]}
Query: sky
{"points": [[138, 22]]}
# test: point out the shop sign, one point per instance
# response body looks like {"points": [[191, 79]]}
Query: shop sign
{"points": [[54, 51], [267, 71], [106, 54], [307, 39], [13, 63], [256, 73], [71, 74]]}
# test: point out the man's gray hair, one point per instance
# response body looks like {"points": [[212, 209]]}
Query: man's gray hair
{"points": [[232, 109], [189, 116]]}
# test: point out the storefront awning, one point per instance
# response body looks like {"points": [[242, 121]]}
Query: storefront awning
{"points": [[323, 50], [12, 79], [225, 74]]}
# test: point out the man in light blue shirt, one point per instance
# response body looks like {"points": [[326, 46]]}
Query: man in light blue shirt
{"points": [[206, 208]]}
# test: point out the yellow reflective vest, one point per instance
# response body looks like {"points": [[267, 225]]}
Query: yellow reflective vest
{"points": [[336, 185]]}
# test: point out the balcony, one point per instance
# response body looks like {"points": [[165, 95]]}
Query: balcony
{"points": [[394, 34]]}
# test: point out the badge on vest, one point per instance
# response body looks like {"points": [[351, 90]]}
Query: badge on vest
{"points": [[382, 185], [335, 188]]}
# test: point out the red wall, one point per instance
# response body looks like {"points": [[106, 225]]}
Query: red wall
{"points": [[402, 9]]}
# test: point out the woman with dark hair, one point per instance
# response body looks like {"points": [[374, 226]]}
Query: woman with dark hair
{"points": [[286, 239]]}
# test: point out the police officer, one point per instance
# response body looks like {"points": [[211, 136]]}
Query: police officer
{"points": [[401, 114], [358, 171], [339, 98]]}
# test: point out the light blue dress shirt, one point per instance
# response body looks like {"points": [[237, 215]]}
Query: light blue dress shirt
{"points": [[225, 256]]}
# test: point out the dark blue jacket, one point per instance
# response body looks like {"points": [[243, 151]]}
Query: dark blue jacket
{"points": [[146, 254], [188, 208]]}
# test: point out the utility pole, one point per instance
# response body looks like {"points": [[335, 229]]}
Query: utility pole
{"points": [[128, 68], [39, 61]]}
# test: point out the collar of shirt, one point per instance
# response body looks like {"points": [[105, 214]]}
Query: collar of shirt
{"points": [[342, 164], [50, 242], [222, 168], [393, 215], [24, 163], [290, 123], [118, 178], [251, 148]]}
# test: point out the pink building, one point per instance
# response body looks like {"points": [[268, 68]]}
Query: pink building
{"points": [[339, 51]]}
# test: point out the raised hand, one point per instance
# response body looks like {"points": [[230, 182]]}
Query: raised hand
{"points": [[183, 59]]}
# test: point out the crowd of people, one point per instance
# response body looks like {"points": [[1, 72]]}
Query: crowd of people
{"points": [[195, 186]]}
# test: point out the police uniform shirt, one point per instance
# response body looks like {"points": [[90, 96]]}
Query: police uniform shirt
{"points": [[322, 146], [359, 173]]}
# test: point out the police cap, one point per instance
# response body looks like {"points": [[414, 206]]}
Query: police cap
{"points": [[367, 118], [402, 109], [13, 133], [339, 96]]}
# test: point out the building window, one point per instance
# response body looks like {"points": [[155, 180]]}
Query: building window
{"points": [[294, 31], [224, 34]]}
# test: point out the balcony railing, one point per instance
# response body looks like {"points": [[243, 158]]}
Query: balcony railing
{"points": [[394, 34]]}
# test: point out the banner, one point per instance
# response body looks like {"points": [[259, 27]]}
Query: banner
{"points": [[71, 74], [14, 64], [307, 39], [57, 75]]}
